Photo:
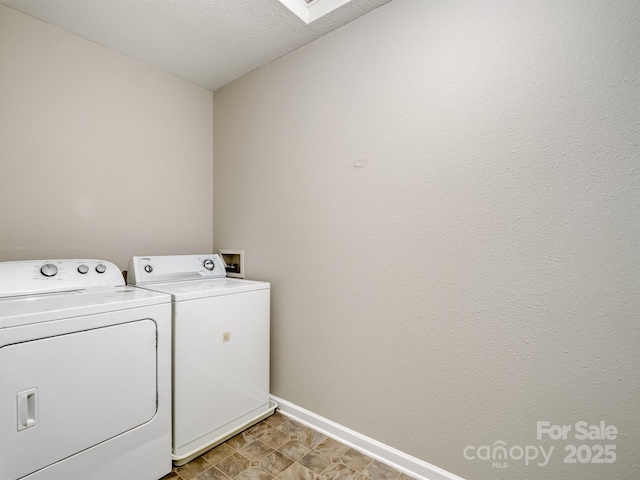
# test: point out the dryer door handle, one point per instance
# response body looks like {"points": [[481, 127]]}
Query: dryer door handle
{"points": [[27, 408]]}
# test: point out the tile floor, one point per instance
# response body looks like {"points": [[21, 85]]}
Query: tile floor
{"points": [[280, 448]]}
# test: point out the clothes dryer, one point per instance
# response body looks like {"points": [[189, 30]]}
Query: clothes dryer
{"points": [[85, 372], [220, 348]]}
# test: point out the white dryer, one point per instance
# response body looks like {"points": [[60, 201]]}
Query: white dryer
{"points": [[220, 348], [85, 372]]}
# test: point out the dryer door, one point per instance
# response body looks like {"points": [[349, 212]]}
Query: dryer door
{"points": [[63, 394]]}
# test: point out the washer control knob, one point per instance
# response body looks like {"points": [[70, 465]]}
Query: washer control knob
{"points": [[100, 268], [148, 268], [83, 269], [49, 270], [208, 264]]}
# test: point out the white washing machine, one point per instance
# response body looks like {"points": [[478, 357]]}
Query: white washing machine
{"points": [[85, 374], [220, 348]]}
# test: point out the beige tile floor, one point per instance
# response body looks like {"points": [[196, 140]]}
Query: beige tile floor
{"points": [[280, 448]]}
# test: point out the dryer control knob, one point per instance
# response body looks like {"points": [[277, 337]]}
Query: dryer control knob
{"points": [[100, 268], [83, 269], [49, 270], [208, 264], [148, 268]]}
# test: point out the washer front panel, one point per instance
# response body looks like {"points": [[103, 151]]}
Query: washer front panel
{"points": [[221, 365]]}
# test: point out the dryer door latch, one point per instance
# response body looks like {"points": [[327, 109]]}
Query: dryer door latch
{"points": [[27, 409]]}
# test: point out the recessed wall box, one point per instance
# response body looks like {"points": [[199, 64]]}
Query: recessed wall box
{"points": [[234, 262]]}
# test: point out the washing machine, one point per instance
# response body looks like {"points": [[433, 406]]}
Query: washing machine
{"points": [[220, 348], [85, 374]]}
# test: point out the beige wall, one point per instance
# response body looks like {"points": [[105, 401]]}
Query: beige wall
{"points": [[100, 155], [445, 196]]}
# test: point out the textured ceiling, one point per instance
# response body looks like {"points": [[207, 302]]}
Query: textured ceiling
{"points": [[208, 42]]}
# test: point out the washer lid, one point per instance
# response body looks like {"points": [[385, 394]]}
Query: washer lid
{"points": [[28, 309], [192, 290]]}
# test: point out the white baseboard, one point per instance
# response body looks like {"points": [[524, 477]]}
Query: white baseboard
{"points": [[413, 467]]}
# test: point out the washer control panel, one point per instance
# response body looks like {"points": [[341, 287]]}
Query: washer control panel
{"points": [[43, 276], [175, 268], [209, 266]]}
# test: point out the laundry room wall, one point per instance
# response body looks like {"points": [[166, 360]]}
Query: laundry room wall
{"points": [[445, 197], [100, 155]]}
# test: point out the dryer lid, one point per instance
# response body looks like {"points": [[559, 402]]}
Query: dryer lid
{"points": [[33, 291], [44, 307]]}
